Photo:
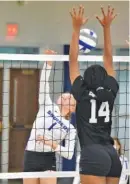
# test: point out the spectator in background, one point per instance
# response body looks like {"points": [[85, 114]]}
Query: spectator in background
{"points": [[124, 161]]}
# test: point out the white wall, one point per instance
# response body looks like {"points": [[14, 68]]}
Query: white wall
{"points": [[43, 23]]}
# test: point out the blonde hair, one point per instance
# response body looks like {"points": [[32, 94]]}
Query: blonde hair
{"points": [[118, 142], [66, 99]]}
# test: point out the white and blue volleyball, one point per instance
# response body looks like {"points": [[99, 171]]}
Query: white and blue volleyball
{"points": [[87, 41]]}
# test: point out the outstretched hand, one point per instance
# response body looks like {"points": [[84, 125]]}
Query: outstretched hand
{"points": [[108, 17], [128, 42], [78, 18], [49, 52]]}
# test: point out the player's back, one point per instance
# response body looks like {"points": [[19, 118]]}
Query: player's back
{"points": [[94, 119], [94, 111]]}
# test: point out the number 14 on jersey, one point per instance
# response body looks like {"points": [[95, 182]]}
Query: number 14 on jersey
{"points": [[103, 111]]}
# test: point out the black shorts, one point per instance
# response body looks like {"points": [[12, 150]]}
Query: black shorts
{"points": [[100, 160], [39, 161]]}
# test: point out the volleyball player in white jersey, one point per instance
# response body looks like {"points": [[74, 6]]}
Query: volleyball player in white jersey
{"points": [[50, 128]]}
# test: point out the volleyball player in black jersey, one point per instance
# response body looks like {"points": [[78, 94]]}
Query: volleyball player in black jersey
{"points": [[95, 93]]}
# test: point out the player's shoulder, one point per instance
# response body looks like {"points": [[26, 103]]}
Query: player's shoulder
{"points": [[111, 82], [78, 79]]}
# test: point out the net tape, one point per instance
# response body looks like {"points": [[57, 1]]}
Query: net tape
{"points": [[46, 174], [42, 57]]}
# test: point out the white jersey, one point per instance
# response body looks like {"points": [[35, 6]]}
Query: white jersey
{"points": [[50, 124], [124, 177]]}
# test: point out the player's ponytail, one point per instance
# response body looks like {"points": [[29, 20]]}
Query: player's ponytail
{"points": [[108, 91], [103, 95]]}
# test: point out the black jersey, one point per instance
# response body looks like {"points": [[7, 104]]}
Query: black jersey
{"points": [[94, 117]]}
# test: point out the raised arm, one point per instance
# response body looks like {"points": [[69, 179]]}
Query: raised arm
{"points": [[44, 90], [78, 20], [106, 23]]}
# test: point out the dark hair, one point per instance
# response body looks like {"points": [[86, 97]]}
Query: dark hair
{"points": [[118, 142], [95, 78], [104, 95]]}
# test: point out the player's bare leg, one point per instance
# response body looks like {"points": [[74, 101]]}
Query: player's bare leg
{"points": [[31, 181], [112, 180], [48, 181], [89, 179]]}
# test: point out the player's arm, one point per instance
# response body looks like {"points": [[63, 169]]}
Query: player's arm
{"points": [[78, 20], [107, 57], [66, 151], [44, 90], [106, 21]]}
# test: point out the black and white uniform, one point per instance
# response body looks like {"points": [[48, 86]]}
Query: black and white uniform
{"points": [[93, 120], [50, 124]]}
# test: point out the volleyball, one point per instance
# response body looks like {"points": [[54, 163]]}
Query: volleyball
{"points": [[87, 40]]}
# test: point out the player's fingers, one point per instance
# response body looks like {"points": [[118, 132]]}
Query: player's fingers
{"points": [[109, 10], [99, 19], [85, 20], [114, 16], [53, 52], [82, 11], [71, 14], [74, 11], [102, 9], [112, 11], [128, 43]]}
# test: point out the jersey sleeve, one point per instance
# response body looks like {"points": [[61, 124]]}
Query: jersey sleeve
{"points": [[112, 85], [67, 151], [77, 88], [39, 123], [44, 97]]}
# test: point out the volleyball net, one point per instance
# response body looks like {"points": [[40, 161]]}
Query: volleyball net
{"points": [[19, 86]]}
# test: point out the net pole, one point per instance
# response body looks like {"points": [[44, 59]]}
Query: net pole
{"points": [[5, 119]]}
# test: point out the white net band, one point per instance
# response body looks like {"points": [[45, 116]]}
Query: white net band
{"points": [[82, 58], [46, 174]]}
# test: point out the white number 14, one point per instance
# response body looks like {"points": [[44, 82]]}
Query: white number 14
{"points": [[103, 111]]}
